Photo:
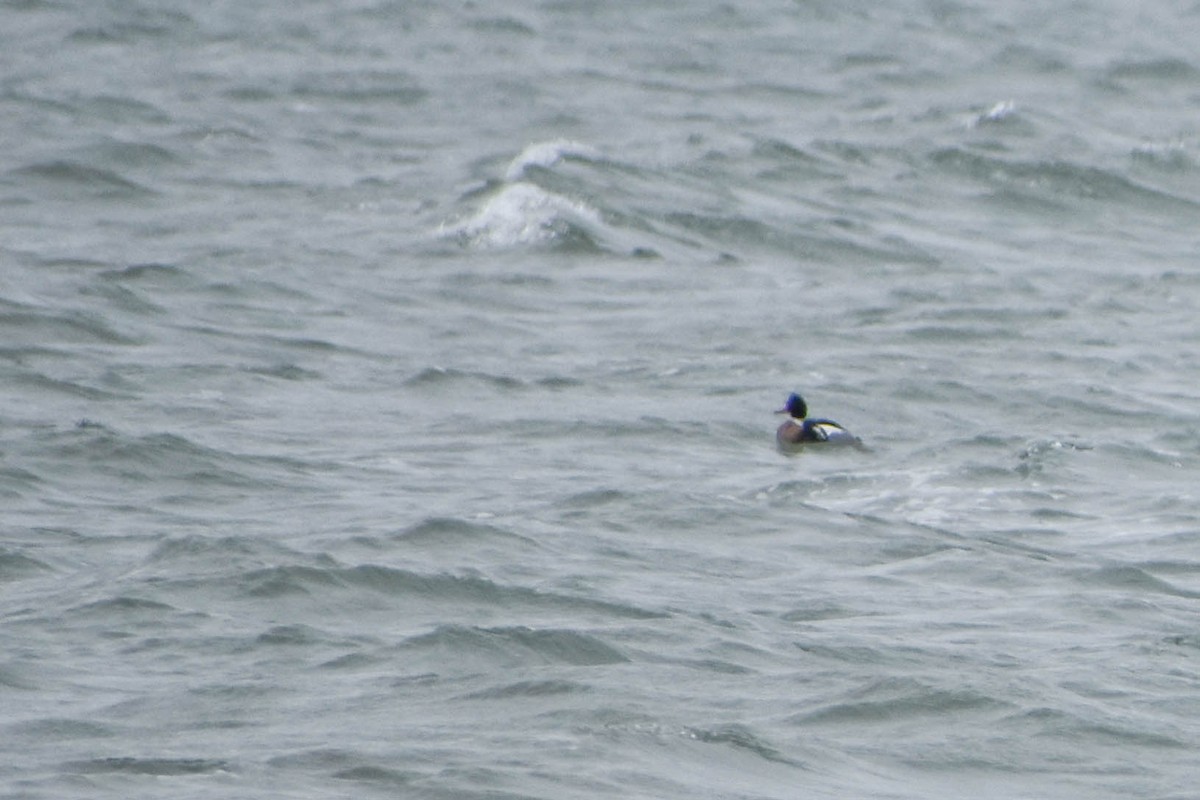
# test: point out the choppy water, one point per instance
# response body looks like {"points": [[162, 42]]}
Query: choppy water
{"points": [[385, 398]]}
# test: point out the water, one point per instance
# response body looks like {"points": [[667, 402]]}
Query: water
{"points": [[386, 396]]}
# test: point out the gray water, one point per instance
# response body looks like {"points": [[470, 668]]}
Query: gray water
{"points": [[386, 392]]}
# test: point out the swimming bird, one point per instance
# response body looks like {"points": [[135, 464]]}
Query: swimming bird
{"points": [[798, 430]]}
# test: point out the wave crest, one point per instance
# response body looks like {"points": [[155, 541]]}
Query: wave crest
{"points": [[547, 154], [524, 214]]}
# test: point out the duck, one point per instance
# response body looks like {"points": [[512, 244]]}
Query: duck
{"points": [[798, 430]]}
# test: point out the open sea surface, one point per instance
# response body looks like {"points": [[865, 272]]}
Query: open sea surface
{"points": [[386, 398]]}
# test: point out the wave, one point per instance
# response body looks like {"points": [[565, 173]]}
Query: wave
{"points": [[449, 531], [346, 765], [433, 377], [525, 214], [43, 386], [62, 729], [547, 154], [1124, 577], [139, 27], [195, 550], [740, 738], [151, 467], [1055, 181], [537, 205], [123, 606], [1003, 111], [470, 589], [1089, 724], [649, 212], [897, 700], [72, 176], [1170, 157], [527, 689], [41, 328], [1159, 69], [440, 376], [162, 767], [157, 275], [360, 86], [122, 154], [515, 645], [15, 565]]}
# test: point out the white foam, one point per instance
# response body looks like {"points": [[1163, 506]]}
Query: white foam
{"points": [[547, 154], [524, 214], [997, 113]]}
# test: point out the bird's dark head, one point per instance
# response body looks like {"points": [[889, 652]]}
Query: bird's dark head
{"points": [[794, 407]]}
